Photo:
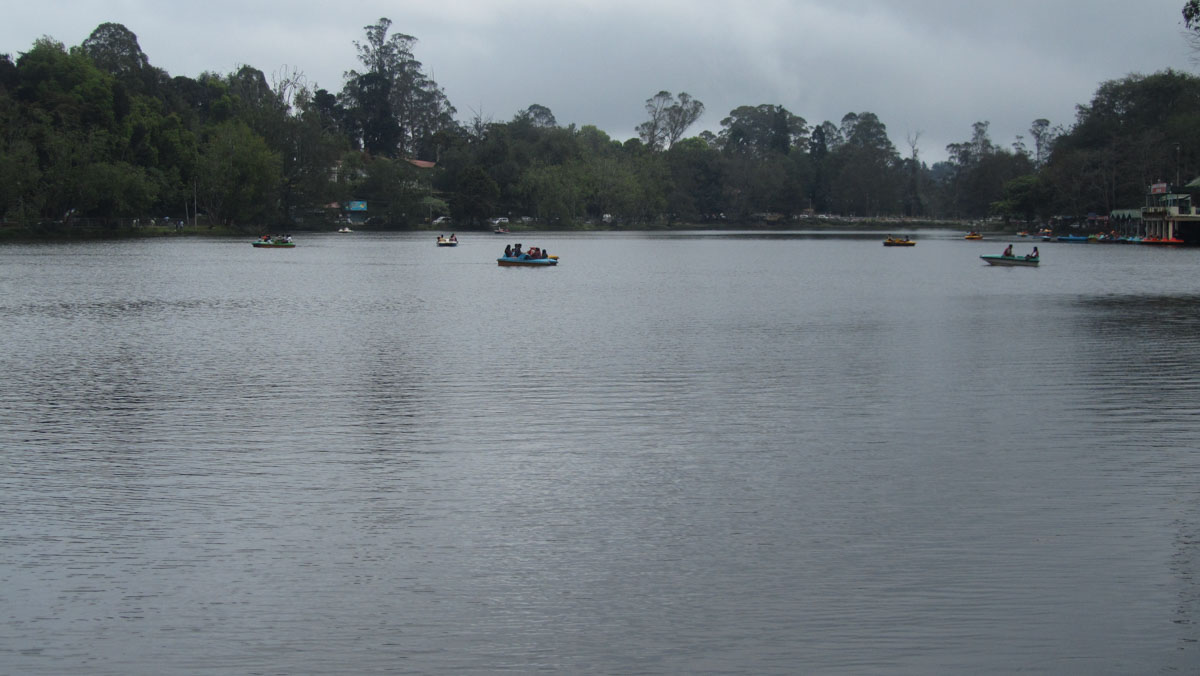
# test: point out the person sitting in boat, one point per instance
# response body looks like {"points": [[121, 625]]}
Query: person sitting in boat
{"points": [[1008, 251], [453, 238], [1034, 254], [545, 254], [508, 251]]}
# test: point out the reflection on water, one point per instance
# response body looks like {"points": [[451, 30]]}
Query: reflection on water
{"points": [[673, 453], [1151, 408]]}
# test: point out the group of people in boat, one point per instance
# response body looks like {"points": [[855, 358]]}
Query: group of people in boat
{"points": [[1009, 254], [451, 238], [514, 251], [276, 238]]}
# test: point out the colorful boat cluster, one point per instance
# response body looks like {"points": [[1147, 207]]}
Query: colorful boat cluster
{"points": [[1114, 238], [1168, 219]]}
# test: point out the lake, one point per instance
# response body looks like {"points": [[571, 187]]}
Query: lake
{"points": [[684, 452]]}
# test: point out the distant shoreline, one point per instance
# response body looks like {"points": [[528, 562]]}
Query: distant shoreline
{"points": [[17, 233]]}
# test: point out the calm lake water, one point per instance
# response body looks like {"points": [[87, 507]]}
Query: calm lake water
{"points": [[684, 453]]}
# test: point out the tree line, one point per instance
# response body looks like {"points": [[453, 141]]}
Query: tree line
{"points": [[95, 131]]}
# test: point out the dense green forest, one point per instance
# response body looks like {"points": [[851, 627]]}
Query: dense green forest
{"points": [[96, 134]]}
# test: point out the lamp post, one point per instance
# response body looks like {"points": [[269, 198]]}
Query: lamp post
{"points": [[1178, 148]]}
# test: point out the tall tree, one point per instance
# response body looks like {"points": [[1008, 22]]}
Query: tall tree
{"points": [[1043, 141], [981, 169], [681, 115], [761, 131], [866, 168], [395, 109], [653, 132], [823, 139], [538, 116], [115, 50], [668, 119], [914, 202]]}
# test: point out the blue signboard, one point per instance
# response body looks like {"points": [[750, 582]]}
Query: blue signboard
{"points": [[357, 206]]}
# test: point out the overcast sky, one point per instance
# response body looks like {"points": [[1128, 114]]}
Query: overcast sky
{"points": [[927, 67]]}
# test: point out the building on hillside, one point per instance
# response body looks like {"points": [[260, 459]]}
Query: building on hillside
{"points": [[1169, 216]]}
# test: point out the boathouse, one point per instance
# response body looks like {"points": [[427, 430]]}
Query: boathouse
{"points": [[1170, 217]]}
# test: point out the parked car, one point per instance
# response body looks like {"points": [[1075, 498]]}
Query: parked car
{"points": [[499, 220], [441, 220]]}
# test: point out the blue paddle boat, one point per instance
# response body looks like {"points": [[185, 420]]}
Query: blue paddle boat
{"points": [[525, 260]]}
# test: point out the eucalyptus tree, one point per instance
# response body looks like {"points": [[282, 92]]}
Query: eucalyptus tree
{"points": [[970, 153], [395, 109], [652, 132], [965, 158], [680, 116], [371, 120], [918, 193], [1043, 136], [981, 169], [669, 119]]}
